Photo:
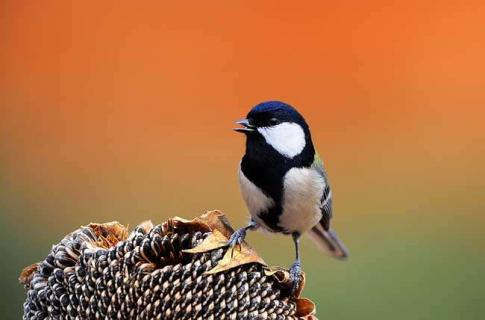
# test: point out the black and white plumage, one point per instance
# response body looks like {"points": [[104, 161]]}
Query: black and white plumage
{"points": [[283, 180]]}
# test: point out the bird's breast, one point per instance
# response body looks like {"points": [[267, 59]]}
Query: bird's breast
{"points": [[301, 203]]}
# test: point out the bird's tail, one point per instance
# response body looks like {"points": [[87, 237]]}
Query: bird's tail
{"points": [[328, 241]]}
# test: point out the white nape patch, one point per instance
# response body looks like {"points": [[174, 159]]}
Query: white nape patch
{"points": [[288, 138], [255, 199], [303, 190]]}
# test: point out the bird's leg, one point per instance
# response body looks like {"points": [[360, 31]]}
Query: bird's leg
{"points": [[295, 270], [238, 236]]}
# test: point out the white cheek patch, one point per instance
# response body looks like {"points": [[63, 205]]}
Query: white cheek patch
{"points": [[287, 138]]}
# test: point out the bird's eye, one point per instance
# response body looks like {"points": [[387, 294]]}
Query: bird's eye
{"points": [[273, 121]]}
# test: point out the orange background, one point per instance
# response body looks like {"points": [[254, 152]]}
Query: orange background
{"points": [[122, 110]]}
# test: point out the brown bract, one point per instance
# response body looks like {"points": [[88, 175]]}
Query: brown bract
{"points": [[110, 233], [27, 274]]}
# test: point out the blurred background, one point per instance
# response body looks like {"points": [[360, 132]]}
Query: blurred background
{"points": [[121, 110]]}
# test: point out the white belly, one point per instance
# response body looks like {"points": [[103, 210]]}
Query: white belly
{"points": [[256, 201], [301, 200]]}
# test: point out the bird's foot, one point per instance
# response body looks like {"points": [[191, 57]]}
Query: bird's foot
{"points": [[296, 275], [237, 239]]}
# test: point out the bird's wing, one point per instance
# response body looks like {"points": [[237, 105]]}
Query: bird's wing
{"points": [[326, 200], [322, 234]]}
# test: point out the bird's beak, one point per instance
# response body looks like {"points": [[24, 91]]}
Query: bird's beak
{"points": [[246, 127]]}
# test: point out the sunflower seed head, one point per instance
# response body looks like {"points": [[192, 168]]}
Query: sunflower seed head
{"points": [[98, 273]]}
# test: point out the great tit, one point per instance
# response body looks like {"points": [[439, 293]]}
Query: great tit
{"points": [[283, 181]]}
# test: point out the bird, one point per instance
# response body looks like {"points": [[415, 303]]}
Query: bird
{"points": [[284, 183]]}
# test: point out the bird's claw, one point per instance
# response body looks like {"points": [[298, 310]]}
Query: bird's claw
{"points": [[236, 239], [295, 276]]}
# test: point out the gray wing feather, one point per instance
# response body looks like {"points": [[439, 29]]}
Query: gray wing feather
{"points": [[326, 200]]}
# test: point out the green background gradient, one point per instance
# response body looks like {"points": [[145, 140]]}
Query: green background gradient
{"points": [[119, 111]]}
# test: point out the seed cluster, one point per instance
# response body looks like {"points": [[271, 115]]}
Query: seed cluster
{"points": [[148, 276]]}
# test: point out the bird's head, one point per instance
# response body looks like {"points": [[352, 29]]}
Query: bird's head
{"points": [[275, 125]]}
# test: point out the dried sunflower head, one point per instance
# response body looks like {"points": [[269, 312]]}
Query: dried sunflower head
{"points": [[177, 270]]}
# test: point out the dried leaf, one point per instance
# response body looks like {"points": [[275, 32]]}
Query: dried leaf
{"points": [[214, 241], [209, 221], [305, 308], [220, 234], [109, 234], [27, 274], [235, 257]]}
